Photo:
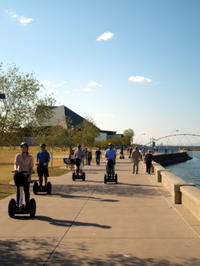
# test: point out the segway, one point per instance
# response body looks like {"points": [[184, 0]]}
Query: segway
{"points": [[15, 207], [43, 189], [76, 174], [110, 176]]}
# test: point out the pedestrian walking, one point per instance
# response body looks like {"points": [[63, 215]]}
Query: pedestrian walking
{"points": [[72, 159], [98, 156], [148, 160], [143, 153], [89, 157], [135, 158], [86, 156], [130, 151]]}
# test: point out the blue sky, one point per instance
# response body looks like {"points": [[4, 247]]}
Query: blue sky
{"points": [[124, 63]]}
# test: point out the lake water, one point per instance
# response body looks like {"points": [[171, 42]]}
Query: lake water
{"points": [[190, 170]]}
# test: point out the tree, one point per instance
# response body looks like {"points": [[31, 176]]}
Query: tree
{"points": [[128, 137], [85, 133], [19, 108]]}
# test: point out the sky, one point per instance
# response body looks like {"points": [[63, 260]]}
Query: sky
{"points": [[123, 63]]}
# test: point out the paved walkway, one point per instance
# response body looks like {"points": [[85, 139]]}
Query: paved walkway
{"points": [[89, 223]]}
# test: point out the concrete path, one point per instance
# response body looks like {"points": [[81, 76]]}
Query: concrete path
{"points": [[90, 223]]}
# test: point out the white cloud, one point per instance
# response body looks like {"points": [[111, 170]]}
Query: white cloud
{"points": [[21, 19], [94, 84], [11, 14], [53, 84], [14, 16], [67, 92], [87, 89], [139, 79], [60, 84], [24, 21], [105, 36]]}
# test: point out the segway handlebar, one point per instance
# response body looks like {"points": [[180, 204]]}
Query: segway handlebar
{"points": [[24, 172]]}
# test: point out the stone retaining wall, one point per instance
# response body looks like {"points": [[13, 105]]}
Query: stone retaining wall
{"points": [[171, 158], [182, 192]]}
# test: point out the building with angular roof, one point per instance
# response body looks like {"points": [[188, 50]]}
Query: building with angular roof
{"points": [[61, 116]]}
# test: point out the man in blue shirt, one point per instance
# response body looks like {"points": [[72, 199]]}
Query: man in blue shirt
{"points": [[110, 154], [43, 159]]}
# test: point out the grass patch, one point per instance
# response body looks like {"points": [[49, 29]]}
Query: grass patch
{"points": [[7, 156], [58, 171], [6, 190]]}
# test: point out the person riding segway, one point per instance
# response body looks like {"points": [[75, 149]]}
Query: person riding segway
{"points": [[110, 155], [23, 169], [43, 159], [79, 158]]}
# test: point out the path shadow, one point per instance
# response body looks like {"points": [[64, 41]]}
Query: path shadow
{"points": [[39, 252], [72, 196], [138, 185], [97, 171], [68, 223], [124, 190], [65, 223]]}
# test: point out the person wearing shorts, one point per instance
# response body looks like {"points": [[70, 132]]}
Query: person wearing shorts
{"points": [[79, 156], [43, 159], [23, 167]]}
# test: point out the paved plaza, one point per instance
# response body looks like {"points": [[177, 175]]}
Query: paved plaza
{"points": [[92, 223]]}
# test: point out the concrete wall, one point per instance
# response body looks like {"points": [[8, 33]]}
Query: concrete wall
{"points": [[181, 192], [58, 118], [191, 199]]}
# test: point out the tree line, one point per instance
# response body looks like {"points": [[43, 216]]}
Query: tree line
{"points": [[23, 112]]}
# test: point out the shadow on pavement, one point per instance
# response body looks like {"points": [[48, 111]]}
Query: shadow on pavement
{"points": [[38, 252], [68, 196], [123, 189], [69, 223]]}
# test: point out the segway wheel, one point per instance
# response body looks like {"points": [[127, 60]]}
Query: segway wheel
{"points": [[11, 208], [35, 188], [116, 181], [49, 188], [73, 176], [83, 178], [105, 181], [32, 208]]}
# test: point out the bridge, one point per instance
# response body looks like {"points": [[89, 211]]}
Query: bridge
{"points": [[187, 140]]}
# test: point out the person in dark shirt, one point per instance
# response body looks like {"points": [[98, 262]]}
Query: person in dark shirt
{"points": [[98, 156], [43, 159], [148, 160], [89, 157]]}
